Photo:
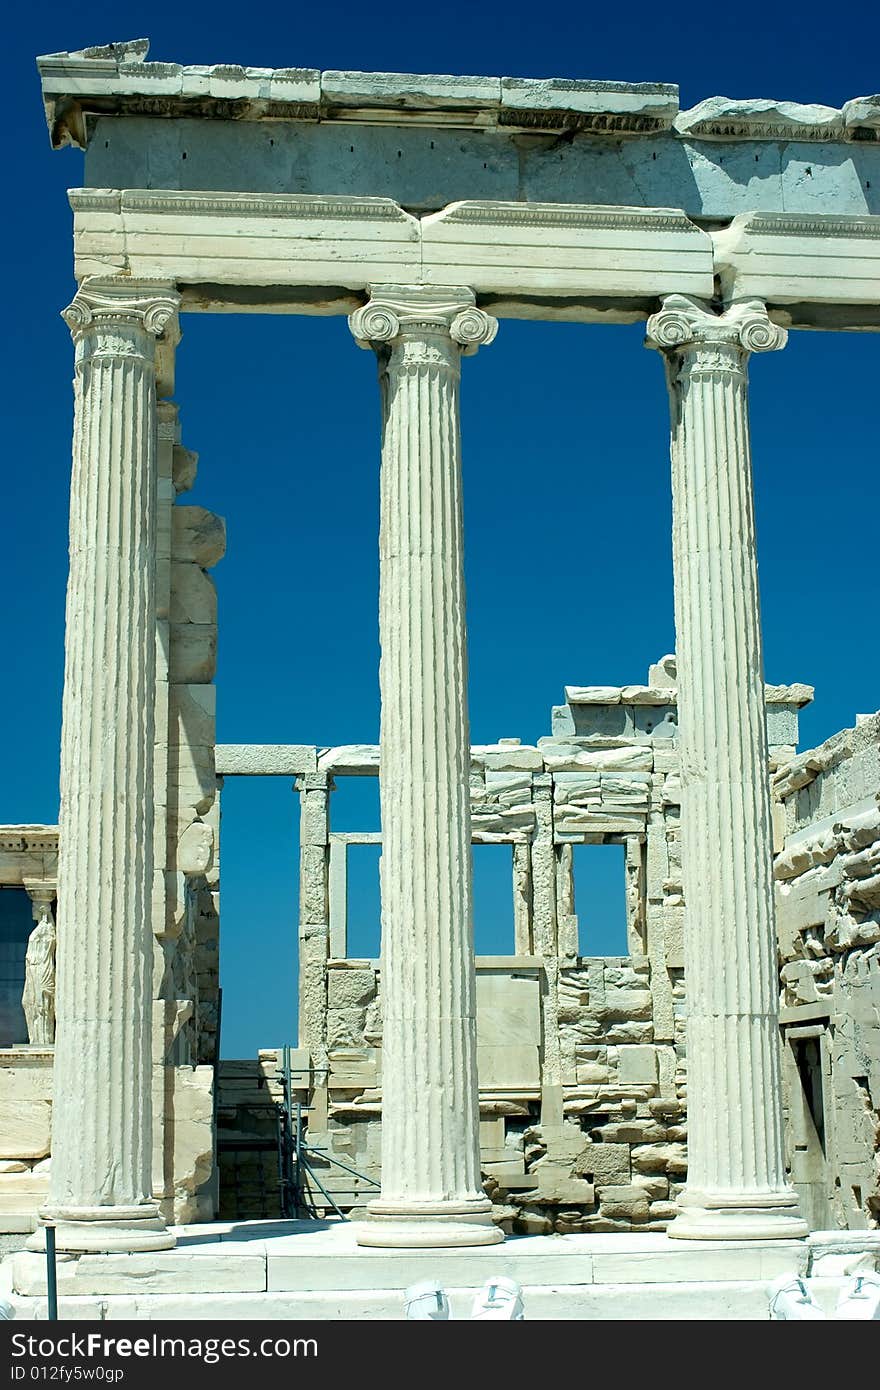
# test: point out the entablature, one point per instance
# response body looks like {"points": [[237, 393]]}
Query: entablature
{"points": [[28, 854], [566, 254], [300, 253], [428, 140]]}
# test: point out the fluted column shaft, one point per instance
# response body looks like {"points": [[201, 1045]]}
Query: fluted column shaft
{"points": [[431, 1188], [100, 1190], [736, 1183]]}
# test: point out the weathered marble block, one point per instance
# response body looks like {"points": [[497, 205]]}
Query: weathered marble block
{"points": [[25, 1103], [193, 658], [193, 594], [198, 536]]}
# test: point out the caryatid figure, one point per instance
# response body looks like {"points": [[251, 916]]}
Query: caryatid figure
{"points": [[38, 998]]}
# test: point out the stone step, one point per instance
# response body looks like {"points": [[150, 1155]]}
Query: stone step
{"points": [[299, 1257], [316, 1271], [730, 1300]]}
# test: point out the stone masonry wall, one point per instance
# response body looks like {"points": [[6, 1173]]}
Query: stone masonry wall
{"points": [[583, 1087], [186, 977], [828, 913]]}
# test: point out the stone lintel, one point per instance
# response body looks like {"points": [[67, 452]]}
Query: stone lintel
{"points": [[355, 759], [804, 1013], [511, 965], [796, 694], [569, 253], [790, 259], [265, 759], [276, 252]]}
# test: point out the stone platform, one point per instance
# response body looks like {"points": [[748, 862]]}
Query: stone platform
{"points": [[316, 1271]]}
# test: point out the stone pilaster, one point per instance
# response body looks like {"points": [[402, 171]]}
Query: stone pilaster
{"points": [[431, 1188], [314, 931], [522, 899], [546, 944], [737, 1184], [101, 1152]]}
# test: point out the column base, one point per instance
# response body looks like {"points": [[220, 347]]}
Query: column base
{"points": [[428, 1225], [103, 1230], [738, 1216]]}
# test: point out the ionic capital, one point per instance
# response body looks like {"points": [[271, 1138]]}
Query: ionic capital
{"points": [[686, 325], [114, 305], [421, 312]]}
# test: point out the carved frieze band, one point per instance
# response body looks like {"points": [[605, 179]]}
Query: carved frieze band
{"points": [[569, 215], [291, 205], [795, 224]]}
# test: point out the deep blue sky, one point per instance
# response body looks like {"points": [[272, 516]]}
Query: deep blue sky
{"points": [[565, 443]]}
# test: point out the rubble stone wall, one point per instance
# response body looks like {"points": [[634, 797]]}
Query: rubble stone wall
{"points": [[828, 916], [186, 924]]}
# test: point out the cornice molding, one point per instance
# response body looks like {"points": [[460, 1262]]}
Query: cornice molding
{"points": [[236, 204], [116, 80], [794, 224], [566, 215]]}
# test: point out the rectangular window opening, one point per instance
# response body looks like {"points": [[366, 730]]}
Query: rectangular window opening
{"points": [[363, 908], [599, 873], [259, 914], [808, 1059], [494, 929], [354, 804]]}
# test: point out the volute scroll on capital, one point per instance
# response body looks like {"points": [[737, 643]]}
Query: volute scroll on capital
{"points": [[473, 328], [150, 305], [395, 312], [684, 323]]}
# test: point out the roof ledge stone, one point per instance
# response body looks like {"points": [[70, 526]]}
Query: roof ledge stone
{"points": [[726, 118], [116, 78], [862, 118]]}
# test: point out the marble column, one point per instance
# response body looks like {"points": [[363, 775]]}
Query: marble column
{"points": [[736, 1186], [431, 1188], [100, 1188]]}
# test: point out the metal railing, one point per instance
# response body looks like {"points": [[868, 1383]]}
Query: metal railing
{"points": [[296, 1167]]}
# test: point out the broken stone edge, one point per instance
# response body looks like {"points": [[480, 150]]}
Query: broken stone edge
{"points": [[116, 78]]}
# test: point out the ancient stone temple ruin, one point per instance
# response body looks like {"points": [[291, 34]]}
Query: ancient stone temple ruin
{"points": [[581, 1061], [699, 1111]]}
